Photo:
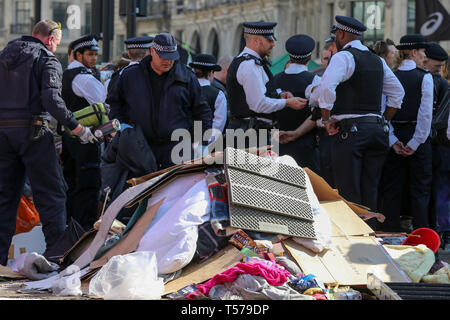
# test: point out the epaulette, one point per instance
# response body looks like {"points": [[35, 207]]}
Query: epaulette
{"points": [[85, 71], [247, 56]]}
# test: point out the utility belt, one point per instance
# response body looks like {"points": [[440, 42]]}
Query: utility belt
{"points": [[38, 125], [365, 119], [253, 123], [404, 122]]}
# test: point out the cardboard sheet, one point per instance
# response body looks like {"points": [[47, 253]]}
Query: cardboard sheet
{"points": [[7, 273], [348, 261], [201, 272], [324, 192], [344, 221]]}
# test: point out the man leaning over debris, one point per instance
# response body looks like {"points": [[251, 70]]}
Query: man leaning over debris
{"points": [[160, 95], [30, 91]]}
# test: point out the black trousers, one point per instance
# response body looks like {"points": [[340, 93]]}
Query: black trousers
{"points": [[304, 151], [81, 164], [326, 170], [39, 161], [407, 176], [357, 159], [260, 137]]}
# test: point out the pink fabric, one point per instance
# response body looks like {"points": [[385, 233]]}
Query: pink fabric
{"points": [[274, 274]]}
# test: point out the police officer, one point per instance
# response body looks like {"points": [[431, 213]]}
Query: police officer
{"points": [[408, 165], [439, 206], [349, 96], [137, 49], [204, 66], [160, 95], [322, 137], [253, 99], [81, 162], [296, 126], [30, 84]]}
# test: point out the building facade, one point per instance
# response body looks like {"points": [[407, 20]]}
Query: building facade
{"points": [[215, 26], [17, 18]]}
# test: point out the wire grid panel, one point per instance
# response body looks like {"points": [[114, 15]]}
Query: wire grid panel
{"points": [[268, 195], [249, 162], [260, 221]]}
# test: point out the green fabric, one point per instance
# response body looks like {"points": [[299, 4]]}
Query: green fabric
{"points": [[91, 116], [279, 63], [140, 210]]}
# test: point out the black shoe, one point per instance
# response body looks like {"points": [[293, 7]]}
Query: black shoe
{"points": [[445, 240], [406, 225]]}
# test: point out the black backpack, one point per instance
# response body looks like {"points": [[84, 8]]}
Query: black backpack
{"points": [[439, 123]]}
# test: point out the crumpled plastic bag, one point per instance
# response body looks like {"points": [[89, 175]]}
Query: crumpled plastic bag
{"points": [[68, 282], [34, 266], [132, 276]]}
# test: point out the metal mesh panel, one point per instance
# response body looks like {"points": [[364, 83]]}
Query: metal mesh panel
{"points": [[243, 178], [260, 221], [242, 160]]}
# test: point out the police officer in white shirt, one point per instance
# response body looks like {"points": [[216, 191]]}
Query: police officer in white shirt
{"points": [[204, 66], [409, 163], [349, 96], [253, 102], [81, 162]]}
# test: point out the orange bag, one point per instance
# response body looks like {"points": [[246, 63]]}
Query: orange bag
{"points": [[27, 216]]}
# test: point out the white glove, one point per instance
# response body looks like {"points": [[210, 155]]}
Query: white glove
{"points": [[36, 267], [86, 136]]}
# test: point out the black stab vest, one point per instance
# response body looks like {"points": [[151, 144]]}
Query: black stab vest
{"points": [[289, 119], [361, 94], [210, 93], [412, 83], [236, 94], [73, 102]]}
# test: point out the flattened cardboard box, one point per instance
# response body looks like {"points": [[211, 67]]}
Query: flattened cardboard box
{"points": [[348, 261], [351, 256]]}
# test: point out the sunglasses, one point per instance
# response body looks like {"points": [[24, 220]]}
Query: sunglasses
{"points": [[55, 28]]}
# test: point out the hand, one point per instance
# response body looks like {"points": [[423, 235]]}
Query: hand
{"points": [[331, 128], [85, 135], [407, 151], [36, 267], [399, 148], [286, 95], [296, 103], [287, 136]]}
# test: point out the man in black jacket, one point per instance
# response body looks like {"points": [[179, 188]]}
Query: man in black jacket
{"points": [[161, 95], [30, 90]]}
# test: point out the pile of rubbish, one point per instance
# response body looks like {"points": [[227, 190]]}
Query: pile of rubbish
{"points": [[238, 226]]}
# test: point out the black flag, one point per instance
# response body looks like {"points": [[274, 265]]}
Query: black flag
{"points": [[432, 20]]}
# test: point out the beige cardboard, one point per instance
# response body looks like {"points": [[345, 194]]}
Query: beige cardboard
{"points": [[344, 221], [6, 272], [324, 192], [201, 272], [348, 261]]}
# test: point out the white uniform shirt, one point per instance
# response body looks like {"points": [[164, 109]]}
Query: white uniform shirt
{"points": [[220, 113], [253, 79], [425, 113], [340, 69], [87, 86]]}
